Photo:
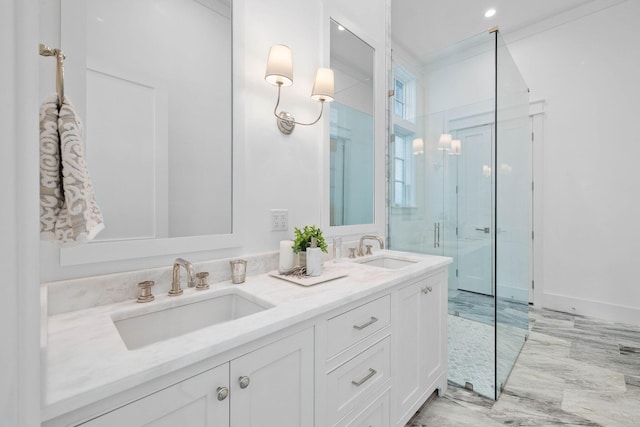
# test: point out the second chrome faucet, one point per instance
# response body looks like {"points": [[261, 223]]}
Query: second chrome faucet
{"points": [[175, 283], [363, 238]]}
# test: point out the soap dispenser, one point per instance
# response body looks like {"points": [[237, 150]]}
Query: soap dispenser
{"points": [[314, 259]]}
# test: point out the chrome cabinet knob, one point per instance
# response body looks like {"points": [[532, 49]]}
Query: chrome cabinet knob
{"points": [[222, 392], [244, 381], [427, 289]]}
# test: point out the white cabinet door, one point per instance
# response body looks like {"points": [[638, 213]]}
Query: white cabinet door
{"points": [[434, 317], [410, 329], [273, 386], [276, 390], [421, 349], [193, 402]]}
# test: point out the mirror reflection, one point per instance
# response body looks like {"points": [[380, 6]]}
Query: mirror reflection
{"points": [[352, 132], [158, 115]]}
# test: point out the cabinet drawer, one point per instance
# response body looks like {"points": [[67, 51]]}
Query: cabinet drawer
{"points": [[348, 328], [374, 415], [352, 383]]}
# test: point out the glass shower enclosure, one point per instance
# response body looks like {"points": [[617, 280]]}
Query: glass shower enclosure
{"points": [[460, 186]]}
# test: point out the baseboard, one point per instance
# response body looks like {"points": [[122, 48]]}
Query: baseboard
{"points": [[597, 309]]}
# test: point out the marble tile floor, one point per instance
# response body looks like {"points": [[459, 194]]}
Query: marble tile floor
{"points": [[472, 306], [481, 308], [572, 371], [472, 353]]}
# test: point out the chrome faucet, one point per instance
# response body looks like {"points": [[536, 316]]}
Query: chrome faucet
{"points": [[175, 283], [363, 238]]}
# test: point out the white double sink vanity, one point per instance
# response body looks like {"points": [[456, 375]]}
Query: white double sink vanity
{"points": [[366, 349]]}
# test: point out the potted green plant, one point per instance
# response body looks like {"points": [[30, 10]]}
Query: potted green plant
{"points": [[302, 241]]}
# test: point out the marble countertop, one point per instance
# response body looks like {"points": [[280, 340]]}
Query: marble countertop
{"points": [[86, 359]]}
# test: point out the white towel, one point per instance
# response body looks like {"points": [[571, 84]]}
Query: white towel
{"points": [[50, 171], [68, 209]]}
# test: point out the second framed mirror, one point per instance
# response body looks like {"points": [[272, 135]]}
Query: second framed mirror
{"points": [[352, 133]]}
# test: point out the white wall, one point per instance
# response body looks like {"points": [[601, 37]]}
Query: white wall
{"points": [[19, 305], [587, 72], [280, 171], [286, 171]]}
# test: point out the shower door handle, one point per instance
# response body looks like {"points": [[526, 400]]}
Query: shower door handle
{"points": [[485, 229], [436, 234]]}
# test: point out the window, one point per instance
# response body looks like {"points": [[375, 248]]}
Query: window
{"points": [[400, 98], [404, 85], [403, 171], [401, 151]]}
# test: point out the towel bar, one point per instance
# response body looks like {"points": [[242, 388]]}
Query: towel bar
{"points": [[47, 51]]}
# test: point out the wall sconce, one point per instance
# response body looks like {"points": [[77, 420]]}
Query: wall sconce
{"points": [[280, 73], [455, 148], [418, 146], [444, 144]]}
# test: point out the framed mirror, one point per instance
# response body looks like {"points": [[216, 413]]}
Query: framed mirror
{"points": [[156, 76], [351, 200], [354, 132]]}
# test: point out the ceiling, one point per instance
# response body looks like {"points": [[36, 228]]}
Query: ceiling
{"points": [[422, 27]]}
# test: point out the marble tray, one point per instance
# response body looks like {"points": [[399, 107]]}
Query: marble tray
{"points": [[326, 276]]}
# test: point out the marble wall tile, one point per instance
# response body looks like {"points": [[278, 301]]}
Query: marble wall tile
{"points": [[77, 294]]}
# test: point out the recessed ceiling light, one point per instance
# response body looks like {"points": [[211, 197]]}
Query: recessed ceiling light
{"points": [[489, 13]]}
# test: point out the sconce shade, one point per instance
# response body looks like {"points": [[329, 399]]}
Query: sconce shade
{"points": [[445, 142], [418, 146], [455, 147], [279, 66], [323, 85]]}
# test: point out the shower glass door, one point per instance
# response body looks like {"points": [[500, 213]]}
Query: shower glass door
{"points": [[441, 190], [513, 207], [459, 186]]}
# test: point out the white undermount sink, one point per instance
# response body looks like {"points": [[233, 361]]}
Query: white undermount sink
{"points": [[386, 261], [139, 329]]}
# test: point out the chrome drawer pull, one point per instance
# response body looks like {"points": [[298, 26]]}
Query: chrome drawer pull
{"points": [[371, 373], [364, 325]]}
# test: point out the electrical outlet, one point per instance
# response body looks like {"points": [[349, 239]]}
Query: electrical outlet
{"points": [[279, 219]]}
